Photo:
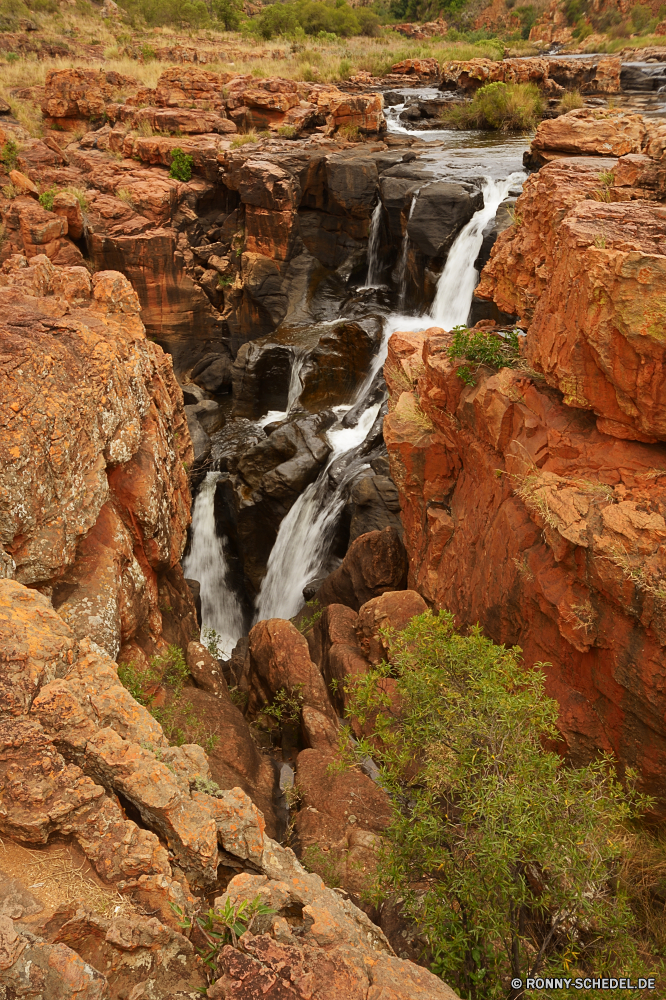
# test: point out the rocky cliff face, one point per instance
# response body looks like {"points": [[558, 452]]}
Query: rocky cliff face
{"points": [[533, 500], [78, 757], [95, 453]]}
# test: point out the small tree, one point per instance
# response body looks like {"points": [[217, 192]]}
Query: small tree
{"points": [[505, 856]]}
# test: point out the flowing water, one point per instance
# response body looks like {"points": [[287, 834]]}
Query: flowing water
{"points": [[401, 280], [207, 563], [301, 552], [373, 246]]}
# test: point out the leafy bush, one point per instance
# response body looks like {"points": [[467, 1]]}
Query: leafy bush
{"points": [[181, 164], [219, 927], [483, 348], [505, 857], [47, 197], [507, 107], [641, 17], [528, 18], [325, 19]]}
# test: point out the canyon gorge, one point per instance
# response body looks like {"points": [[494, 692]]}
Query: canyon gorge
{"points": [[240, 444]]}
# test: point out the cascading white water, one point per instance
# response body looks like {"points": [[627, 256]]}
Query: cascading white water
{"points": [[300, 548], [457, 281], [404, 253], [295, 384], [206, 562], [373, 246]]}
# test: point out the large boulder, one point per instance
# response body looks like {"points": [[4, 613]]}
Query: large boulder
{"points": [[375, 562]]}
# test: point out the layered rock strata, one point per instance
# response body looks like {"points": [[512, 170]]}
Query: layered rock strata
{"points": [[533, 501]]}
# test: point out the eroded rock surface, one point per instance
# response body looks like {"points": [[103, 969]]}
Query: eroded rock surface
{"points": [[93, 454], [76, 753]]}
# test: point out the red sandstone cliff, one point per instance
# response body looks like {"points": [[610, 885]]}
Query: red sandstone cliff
{"points": [[535, 503], [94, 453]]}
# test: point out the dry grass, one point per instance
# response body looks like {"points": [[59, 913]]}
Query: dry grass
{"points": [[643, 877], [640, 578], [571, 100], [532, 491], [60, 873]]}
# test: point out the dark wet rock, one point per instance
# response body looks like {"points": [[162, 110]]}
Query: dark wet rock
{"points": [[261, 374], [440, 212], [336, 368], [375, 505], [213, 373], [208, 413], [376, 562], [200, 440]]}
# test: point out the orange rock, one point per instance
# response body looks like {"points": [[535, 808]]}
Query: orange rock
{"points": [[279, 659], [604, 350], [66, 431], [521, 515], [22, 183], [598, 132]]}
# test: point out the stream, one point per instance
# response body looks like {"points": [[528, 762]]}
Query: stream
{"points": [[302, 551]]}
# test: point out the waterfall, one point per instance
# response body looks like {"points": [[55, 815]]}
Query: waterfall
{"points": [[457, 281], [295, 384], [301, 546], [373, 246], [206, 562], [404, 253]]}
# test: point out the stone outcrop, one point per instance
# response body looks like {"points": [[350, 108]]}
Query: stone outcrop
{"points": [[77, 753], [539, 511], [94, 453], [591, 235], [594, 75]]}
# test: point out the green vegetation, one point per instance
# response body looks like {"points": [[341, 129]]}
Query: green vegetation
{"points": [[181, 164], [483, 347], [47, 198], [510, 861], [9, 154], [320, 18], [220, 927], [304, 622], [177, 716], [286, 705], [210, 638], [244, 138], [571, 100], [506, 107]]}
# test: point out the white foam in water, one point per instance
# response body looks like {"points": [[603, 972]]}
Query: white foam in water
{"points": [[301, 550], [373, 246], [301, 546], [207, 563]]}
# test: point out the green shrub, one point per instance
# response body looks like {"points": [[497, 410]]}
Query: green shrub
{"points": [[9, 154], [181, 164], [483, 347], [505, 857], [640, 17], [47, 197], [326, 20], [571, 100], [506, 107]]}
